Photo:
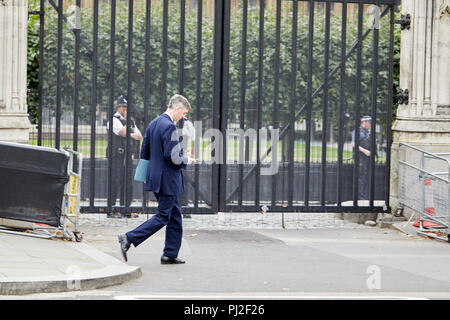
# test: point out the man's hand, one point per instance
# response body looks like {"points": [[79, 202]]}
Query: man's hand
{"points": [[191, 160], [136, 136], [365, 151]]}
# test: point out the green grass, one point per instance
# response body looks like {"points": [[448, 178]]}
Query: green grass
{"points": [[84, 146], [299, 152], [232, 150]]}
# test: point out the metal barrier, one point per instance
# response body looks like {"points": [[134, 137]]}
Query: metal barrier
{"points": [[424, 187], [72, 191], [71, 201]]}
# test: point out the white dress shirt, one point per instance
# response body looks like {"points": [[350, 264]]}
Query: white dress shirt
{"points": [[169, 116], [117, 125]]}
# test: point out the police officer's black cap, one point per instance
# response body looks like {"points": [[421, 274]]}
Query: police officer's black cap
{"points": [[121, 101]]}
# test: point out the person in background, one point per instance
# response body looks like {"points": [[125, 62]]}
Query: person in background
{"points": [[364, 156], [161, 146], [119, 140]]}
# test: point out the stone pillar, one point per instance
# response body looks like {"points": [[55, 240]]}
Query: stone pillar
{"points": [[14, 122], [425, 72]]}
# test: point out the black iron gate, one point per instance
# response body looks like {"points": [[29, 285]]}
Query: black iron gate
{"points": [[277, 89]]}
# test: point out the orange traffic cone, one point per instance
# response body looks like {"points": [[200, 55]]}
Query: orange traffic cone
{"points": [[429, 206]]}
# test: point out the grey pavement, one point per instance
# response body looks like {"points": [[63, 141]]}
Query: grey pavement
{"points": [[232, 255], [30, 265]]}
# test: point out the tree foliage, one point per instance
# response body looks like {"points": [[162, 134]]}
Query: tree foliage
{"points": [[155, 55], [33, 61]]}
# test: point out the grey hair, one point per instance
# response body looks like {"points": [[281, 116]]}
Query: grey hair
{"points": [[178, 99]]}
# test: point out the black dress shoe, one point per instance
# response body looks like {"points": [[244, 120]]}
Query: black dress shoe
{"points": [[167, 260], [124, 245]]}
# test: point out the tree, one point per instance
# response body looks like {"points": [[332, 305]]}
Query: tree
{"points": [[235, 75]]}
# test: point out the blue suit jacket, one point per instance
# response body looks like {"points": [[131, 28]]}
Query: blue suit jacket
{"points": [[161, 146]]}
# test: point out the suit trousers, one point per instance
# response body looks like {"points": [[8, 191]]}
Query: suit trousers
{"points": [[168, 215]]}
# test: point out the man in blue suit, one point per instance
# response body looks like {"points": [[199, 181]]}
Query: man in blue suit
{"points": [[161, 146]]}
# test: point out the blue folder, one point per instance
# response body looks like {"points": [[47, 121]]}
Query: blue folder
{"points": [[141, 170]]}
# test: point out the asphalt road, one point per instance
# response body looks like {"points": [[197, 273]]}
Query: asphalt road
{"points": [[322, 263]]}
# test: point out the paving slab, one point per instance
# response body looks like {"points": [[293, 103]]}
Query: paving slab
{"points": [[232, 255], [31, 265]]}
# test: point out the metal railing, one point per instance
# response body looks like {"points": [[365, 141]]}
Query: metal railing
{"points": [[424, 187]]}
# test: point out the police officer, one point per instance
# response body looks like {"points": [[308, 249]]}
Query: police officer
{"points": [[364, 155], [119, 141]]}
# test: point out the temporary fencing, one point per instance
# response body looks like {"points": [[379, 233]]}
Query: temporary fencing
{"points": [[424, 187]]}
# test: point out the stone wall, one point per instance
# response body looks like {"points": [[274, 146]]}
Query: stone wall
{"points": [[14, 123], [425, 71]]}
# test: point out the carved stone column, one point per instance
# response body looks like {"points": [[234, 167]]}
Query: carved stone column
{"points": [[425, 72], [14, 123]]}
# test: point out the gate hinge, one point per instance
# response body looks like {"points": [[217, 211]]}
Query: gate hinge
{"points": [[404, 22], [403, 96]]}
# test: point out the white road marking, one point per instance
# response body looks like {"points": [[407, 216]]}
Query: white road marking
{"points": [[264, 297]]}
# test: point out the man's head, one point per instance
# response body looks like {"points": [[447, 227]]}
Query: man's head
{"points": [[121, 106], [178, 107], [366, 122]]}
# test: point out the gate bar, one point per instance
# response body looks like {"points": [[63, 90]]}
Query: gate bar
{"points": [[292, 105], [341, 102], [111, 101], [130, 108], [259, 98], [325, 103], [389, 108], [146, 81], [76, 95], [242, 98], [59, 78], [164, 56], [357, 107], [217, 101], [93, 106], [41, 68], [276, 91], [224, 98], [309, 101], [181, 58], [374, 111], [198, 98]]}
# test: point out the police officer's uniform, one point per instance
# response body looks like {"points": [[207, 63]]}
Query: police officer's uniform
{"points": [[119, 156], [364, 161]]}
